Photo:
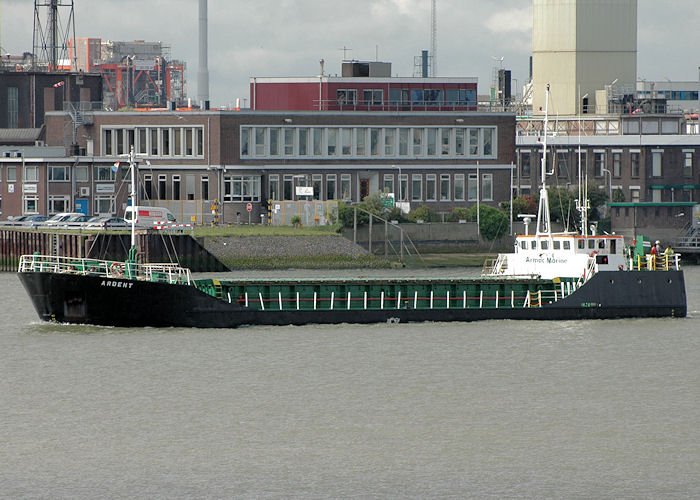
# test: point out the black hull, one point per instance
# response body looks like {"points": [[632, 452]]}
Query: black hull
{"points": [[69, 298]]}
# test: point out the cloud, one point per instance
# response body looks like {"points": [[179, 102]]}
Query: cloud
{"points": [[510, 21]]}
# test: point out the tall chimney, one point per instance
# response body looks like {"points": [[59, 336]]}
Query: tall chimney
{"points": [[203, 72]]}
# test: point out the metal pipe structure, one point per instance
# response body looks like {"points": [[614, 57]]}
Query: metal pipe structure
{"points": [[203, 73]]}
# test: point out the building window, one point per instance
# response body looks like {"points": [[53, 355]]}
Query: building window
{"points": [[473, 134], [303, 145], [688, 164], [189, 142], [599, 163], [430, 187], [59, 173], [403, 141], [200, 141], [120, 142], [634, 163], [445, 141], [162, 187], [58, 204], [617, 164], [12, 107], [107, 142], [562, 164], [374, 135], [148, 186], [487, 187], [260, 141], [525, 164], [11, 174], [165, 134], [245, 141], [432, 142], [274, 142], [288, 187], [318, 141], [317, 184], [241, 188], [345, 187], [444, 187], [104, 205], [177, 139], [332, 142], [373, 97], [81, 174], [361, 142], [634, 195], [331, 187], [273, 187], [142, 146], [418, 141], [154, 142], [488, 141], [656, 197], [289, 141], [459, 142], [389, 142], [459, 187], [30, 204], [416, 187], [31, 173], [176, 187], [346, 138], [346, 97], [403, 187], [656, 157], [204, 185], [473, 187], [388, 186]]}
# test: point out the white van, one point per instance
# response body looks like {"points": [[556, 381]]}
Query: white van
{"points": [[147, 217]]}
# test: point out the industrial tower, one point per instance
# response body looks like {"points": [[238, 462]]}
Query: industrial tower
{"points": [[52, 33]]}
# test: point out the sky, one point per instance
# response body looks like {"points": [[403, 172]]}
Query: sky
{"points": [[281, 38]]}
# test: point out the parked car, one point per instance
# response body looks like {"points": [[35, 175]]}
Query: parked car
{"points": [[60, 219], [147, 217], [107, 222], [34, 220]]}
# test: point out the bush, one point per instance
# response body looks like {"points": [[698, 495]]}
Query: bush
{"points": [[424, 213], [460, 213]]}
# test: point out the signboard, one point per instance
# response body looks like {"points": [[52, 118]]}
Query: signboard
{"points": [[30, 188], [249, 207], [388, 200], [104, 188], [82, 205], [305, 191]]}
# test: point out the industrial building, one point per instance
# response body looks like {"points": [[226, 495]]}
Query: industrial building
{"points": [[441, 160], [135, 74], [579, 48]]}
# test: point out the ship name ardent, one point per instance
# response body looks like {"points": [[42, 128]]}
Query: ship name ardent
{"points": [[116, 284]]}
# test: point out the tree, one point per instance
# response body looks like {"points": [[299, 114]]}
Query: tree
{"points": [[493, 223], [618, 196], [460, 213]]}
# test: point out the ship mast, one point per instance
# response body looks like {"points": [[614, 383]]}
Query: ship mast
{"points": [[543, 223], [132, 167]]}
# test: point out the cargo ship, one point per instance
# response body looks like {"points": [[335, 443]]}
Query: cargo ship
{"points": [[548, 276]]}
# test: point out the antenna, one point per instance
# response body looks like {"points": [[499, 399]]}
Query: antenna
{"points": [[51, 39], [345, 52], [433, 37]]}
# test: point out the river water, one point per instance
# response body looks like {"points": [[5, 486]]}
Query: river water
{"points": [[497, 409]]}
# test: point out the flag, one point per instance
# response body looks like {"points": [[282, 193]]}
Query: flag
{"points": [[115, 167], [59, 84]]}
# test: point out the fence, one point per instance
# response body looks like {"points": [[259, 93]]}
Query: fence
{"points": [[310, 213]]}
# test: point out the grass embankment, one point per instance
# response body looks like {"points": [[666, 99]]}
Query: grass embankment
{"points": [[259, 230], [308, 262], [448, 260]]}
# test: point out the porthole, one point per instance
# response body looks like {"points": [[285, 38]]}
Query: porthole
{"points": [[670, 281], [639, 281], [612, 282]]}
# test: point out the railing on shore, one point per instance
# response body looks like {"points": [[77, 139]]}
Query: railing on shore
{"points": [[158, 272]]}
